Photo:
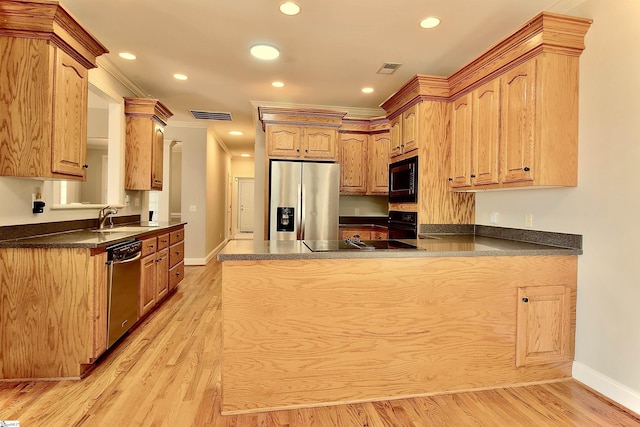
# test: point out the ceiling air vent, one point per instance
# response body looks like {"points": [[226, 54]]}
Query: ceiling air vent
{"points": [[211, 115], [389, 68]]}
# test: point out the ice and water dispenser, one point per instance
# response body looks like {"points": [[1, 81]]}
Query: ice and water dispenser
{"points": [[285, 219]]}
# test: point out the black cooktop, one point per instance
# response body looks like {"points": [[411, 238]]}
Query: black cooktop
{"points": [[355, 245]]}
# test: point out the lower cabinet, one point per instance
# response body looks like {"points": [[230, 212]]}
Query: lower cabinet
{"points": [[364, 233], [162, 268], [543, 325]]}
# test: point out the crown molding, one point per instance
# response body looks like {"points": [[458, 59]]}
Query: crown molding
{"points": [[114, 72], [355, 112]]}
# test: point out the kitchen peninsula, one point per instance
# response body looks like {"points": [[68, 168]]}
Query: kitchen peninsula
{"points": [[459, 312]]}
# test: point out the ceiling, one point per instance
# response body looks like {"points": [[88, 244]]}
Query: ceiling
{"points": [[328, 52]]}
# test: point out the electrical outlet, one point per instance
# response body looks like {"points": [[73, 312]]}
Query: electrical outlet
{"points": [[193, 208], [493, 218], [136, 201], [528, 220]]}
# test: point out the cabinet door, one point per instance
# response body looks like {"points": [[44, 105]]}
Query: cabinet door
{"points": [[283, 141], [157, 157], [486, 133], [410, 129], [319, 143], [162, 274], [395, 133], [543, 325], [460, 174], [378, 164], [518, 123], [70, 116], [147, 285], [353, 163]]}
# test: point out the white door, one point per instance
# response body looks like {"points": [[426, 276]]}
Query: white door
{"points": [[245, 205]]}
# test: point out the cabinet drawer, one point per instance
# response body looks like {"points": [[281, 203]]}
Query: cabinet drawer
{"points": [[149, 246], [175, 275], [163, 241], [176, 236], [176, 254]]}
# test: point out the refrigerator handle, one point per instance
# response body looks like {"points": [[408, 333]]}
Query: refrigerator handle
{"points": [[301, 198]]}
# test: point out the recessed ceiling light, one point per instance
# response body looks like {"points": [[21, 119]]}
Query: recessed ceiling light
{"points": [[277, 84], [430, 22], [245, 155], [367, 90], [264, 51], [235, 132], [127, 55], [289, 8], [180, 77]]}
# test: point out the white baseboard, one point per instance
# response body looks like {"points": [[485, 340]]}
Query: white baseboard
{"points": [[204, 261], [609, 387]]}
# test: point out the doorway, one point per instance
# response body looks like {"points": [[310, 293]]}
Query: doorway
{"points": [[245, 205]]}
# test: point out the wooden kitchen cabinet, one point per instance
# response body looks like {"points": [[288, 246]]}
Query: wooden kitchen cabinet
{"points": [[362, 233], [301, 142], [364, 157], [543, 331], [162, 274], [45, 90], [176, 259], [520, 129], [353, 163], [378, 164], [100, 304], [148, 277], [404, 132], [475, 137], [145, 122]]}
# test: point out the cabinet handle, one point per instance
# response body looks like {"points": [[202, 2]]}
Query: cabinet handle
{"points": [[473, 176], [85, 166], [525, 299], [526, 169]]}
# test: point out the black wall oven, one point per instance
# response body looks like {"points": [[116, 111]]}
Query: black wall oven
{"points": [[403, 181], [403, 225]]}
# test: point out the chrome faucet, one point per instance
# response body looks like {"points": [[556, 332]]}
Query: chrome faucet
{"points": [[105, 213]]}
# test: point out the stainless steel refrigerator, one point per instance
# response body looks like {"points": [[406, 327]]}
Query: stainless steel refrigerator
{"points": [[303, 200]]}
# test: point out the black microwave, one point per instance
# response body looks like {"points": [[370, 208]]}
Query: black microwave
{"points": [[403, 181]]}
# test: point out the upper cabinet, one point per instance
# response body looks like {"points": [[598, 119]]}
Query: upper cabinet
{"points": [[364, 157], [45, 56], [301, 142], [146, 119], [519, 127], [404, 132], [298, 134]]}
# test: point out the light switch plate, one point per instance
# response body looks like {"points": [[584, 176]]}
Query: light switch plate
{"points": [[193, 208]]}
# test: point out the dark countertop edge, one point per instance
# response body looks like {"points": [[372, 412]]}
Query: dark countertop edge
{"points": [[547, 238], [420, 253], [370, 225], [35, 242], [24, 231]]}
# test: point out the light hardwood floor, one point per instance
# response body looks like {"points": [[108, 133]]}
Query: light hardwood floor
{"points": [[167, 373]]}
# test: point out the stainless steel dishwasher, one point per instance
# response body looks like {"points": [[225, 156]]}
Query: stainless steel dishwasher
{"points": [[123, 263]]}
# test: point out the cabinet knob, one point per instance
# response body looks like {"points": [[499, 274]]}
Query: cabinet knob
{"points": [[526, 169], [297, 150], [177, 273], [525, 299], [473, 176], [402, 146], [306, 151], [159, 259], [177, 252], [157, 181], [450, 179], [164, 241], [85, 166], [151, 246]]}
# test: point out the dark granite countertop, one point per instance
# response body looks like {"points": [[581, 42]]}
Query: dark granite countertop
{"points": [[90, 238], [431, 245]]}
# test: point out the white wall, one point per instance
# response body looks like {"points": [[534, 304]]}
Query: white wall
{"points": [[604, 207], [218, 200]]}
